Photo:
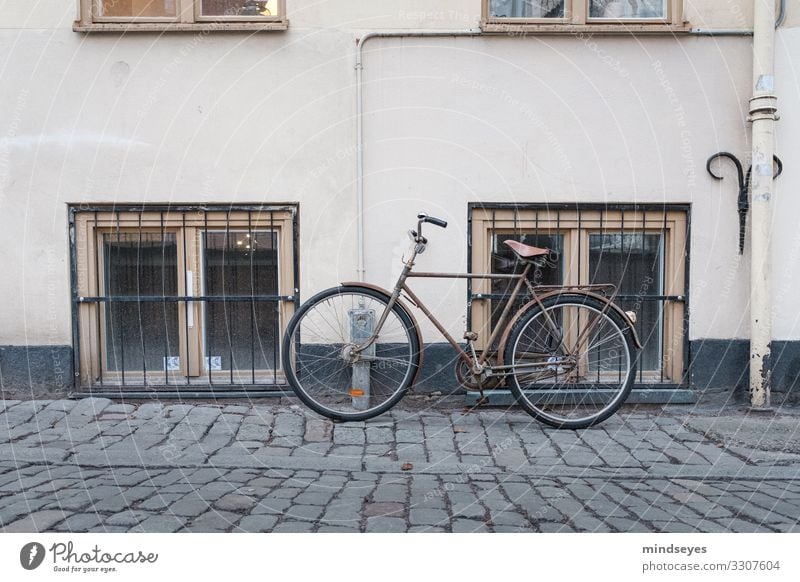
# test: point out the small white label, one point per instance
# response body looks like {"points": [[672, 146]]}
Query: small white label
{"points": [[765, 83], [214, 363], [172, 363], [764, 169]]}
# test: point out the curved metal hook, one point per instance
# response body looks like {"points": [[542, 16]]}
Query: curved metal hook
{"points": [[731, 157], [743, 201], [778, 163]]}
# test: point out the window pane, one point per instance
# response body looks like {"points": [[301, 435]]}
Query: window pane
{"points": [[619, 9], [526, 8], [134, 8], [240, 8], [140, 335], [634, 263], [241, 335], [504, 261]]}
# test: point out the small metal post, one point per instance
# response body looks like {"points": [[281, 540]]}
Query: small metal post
{"points": [[362, 322]]}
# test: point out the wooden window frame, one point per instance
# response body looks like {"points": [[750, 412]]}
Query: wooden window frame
{"points": [[575, 226], [577, 20], [188, 18], [187, 226]]}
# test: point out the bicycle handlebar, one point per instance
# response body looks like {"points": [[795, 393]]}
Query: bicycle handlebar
{"points": [[432, 220]]}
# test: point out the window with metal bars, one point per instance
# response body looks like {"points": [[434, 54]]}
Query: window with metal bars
{"points": [[182, 298], [641, 249]]}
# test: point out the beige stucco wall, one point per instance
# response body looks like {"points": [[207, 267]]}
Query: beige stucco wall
{"points": [[270, 118]]}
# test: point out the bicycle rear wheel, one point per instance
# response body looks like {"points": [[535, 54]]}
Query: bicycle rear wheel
{"points": [[574, 361], [327, 371]]}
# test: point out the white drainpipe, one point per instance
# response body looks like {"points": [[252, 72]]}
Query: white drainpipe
{"points": [[360, 121], [763, 108]]}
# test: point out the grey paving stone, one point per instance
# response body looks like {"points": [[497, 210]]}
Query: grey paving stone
{"points": [[214, 521], [424, 516], [80, 523], [127, 518], [316, 496], [469, 526], [257, 523], [287, 423], [379, 435], [191, 505], [269, 506], [36, 522], [159, 501], [159, 524], [23, 454], [307, 512], [391, 492], [235, 502], [293, 527], [318, 430], [386, 525]]}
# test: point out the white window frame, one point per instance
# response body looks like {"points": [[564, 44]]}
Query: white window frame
{"points": [[576, 19], [188, 17]]}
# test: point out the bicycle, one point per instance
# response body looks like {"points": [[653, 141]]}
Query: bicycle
{"points": [[568, 355]]}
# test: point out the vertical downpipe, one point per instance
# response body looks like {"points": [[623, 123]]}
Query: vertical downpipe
{"points": [[763, 108]]}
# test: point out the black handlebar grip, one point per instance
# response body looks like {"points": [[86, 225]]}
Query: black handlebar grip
{"points": [[436, 221]]}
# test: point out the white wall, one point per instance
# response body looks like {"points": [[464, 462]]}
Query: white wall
{"points": [[560, 120], [269, 117]]}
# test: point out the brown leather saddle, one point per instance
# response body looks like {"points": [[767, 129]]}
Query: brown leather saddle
{"points": [[526, 252]]}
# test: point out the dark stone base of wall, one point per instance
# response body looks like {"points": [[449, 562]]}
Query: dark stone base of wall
{"points": [[718, 372], [35, 371]]}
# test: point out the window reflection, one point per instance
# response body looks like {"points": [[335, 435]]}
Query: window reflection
{"points": [[526, 8], [625, 9], [240, 8]]}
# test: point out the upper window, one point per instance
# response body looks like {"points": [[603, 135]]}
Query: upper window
{"points": [[632, 14], [181, 15]]}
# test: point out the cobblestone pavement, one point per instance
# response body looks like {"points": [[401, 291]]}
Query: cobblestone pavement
{"points": [[97, 465]]}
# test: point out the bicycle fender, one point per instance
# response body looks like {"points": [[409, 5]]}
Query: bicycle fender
{"points": [[405, 309], [504, 338]]}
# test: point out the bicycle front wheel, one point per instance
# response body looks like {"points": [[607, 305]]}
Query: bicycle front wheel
{"points": [[327, 365], [574, 361]]}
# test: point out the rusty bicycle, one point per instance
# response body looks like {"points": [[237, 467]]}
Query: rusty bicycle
{"points": [[568, 355]]}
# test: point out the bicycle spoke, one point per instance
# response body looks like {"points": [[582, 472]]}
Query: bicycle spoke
{"points": [[333, 368], [574, 387]]}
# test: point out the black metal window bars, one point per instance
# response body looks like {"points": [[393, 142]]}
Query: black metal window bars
{"points": [[641, 249], [188, 300]]}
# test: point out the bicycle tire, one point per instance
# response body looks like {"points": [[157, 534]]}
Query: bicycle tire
{"points": [[317, 370], [537, 391]]}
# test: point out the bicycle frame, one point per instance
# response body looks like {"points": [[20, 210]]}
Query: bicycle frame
{"points": [[477, 364]]}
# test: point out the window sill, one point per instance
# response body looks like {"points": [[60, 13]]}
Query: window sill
{"points": [[275, 25], [522, 28]]}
